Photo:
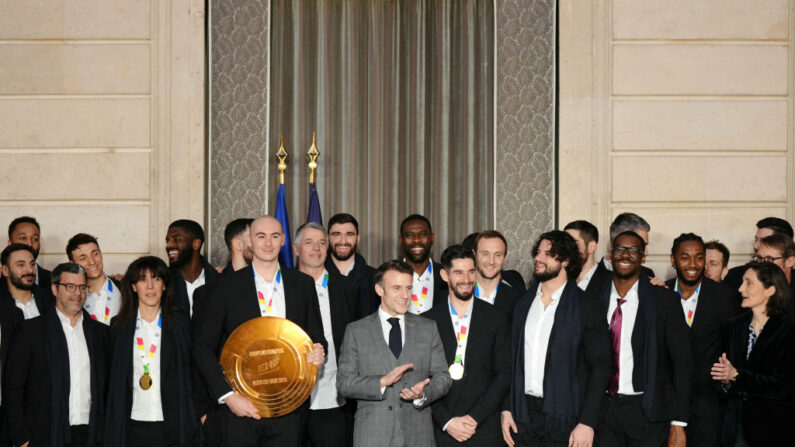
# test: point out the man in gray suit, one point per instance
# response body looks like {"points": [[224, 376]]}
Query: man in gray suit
{"points": [[393, 363]]}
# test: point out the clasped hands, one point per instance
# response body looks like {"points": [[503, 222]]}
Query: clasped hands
{"points": [[415, 392]]}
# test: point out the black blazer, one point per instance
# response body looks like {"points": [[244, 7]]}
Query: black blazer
{"points": [[344, 301], [763, 394], [515, 279], [45, 277], [602, 278], [594, 364], [44, 299], [667, 378], [486, 374], [232, 302], [181, 290], [36, 383], [363, 276], [506, 298], [716, 305], [181, 424]]}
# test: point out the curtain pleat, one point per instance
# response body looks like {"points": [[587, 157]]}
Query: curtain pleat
{"points": [[400, 93]]}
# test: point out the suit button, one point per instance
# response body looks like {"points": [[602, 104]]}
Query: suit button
{"points": [[390, 408]]}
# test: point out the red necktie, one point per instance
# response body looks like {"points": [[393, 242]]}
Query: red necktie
{"points": [[615, 336]]}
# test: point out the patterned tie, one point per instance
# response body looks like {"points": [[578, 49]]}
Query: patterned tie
{"points": [[615, 335], [395, 339]]}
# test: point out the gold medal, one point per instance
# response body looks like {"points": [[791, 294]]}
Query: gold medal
{"points": [[145, 381], [456, 371]]}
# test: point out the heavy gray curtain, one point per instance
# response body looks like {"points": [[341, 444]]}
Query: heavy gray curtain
{"points": [[401, 95]]}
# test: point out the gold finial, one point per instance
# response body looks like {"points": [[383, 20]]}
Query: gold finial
{"points": [[282, 155], [313, 153]]}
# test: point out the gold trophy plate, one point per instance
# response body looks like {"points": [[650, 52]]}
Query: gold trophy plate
{"points": [[264, 360]]}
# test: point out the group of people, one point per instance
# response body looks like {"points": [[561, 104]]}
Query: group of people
{"points": [[413, 353]]}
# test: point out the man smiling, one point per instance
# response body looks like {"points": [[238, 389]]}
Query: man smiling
{"points": [[104, 297], [416, 239], [190, 270]]}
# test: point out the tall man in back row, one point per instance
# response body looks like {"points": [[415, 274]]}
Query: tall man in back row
{"points": [[190, 270], [344, 259], [393, 364], [416, 239], [261, 289]]}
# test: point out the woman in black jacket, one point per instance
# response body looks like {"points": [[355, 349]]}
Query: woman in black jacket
{"points": [[149, 395], [757, 368]]}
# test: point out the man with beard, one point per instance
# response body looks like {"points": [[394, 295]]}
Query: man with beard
{"points": [[560, 354], [103, 299], [19, 273], [330, 421], [649, 391], [765, 227], [416, 240], [26, 230], [343, 238], [707, 305], [587, 237], [10, 317], [490, 250], [190, 270], [475, 340], [238, 243]]}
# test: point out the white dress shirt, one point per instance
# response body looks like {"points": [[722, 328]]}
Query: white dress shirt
{"points": [[272, 289], [192, 286], [422, 290], [324, 395], [29, 310], [490, 297], [79, 370], [586, 279], [104, 305], [688, 305], [350, 268], [386, 326], [537, 330], [146, 404]]}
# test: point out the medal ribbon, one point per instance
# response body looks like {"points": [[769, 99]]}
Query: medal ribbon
{"points": [[153, 347], [107, 303], [461, 326], [480, 293], [267, 308], [689, 316]]}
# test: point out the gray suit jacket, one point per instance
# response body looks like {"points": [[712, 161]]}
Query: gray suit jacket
{"points": [[387, 420]]}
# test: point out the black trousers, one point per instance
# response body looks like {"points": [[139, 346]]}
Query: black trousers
{"points": [[146, 434], [283, 431], [704, 431], [79, 434], [625, 425], [332, 427], [540, 435]]}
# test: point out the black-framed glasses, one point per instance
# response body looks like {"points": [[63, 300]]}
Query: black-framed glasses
{"points": [[757, 258], [72, 287], [634, 252]]}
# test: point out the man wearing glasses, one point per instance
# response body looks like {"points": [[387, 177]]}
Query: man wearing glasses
{"points": [[765, 227], [57, 368], [648, 394], [780, 250]]}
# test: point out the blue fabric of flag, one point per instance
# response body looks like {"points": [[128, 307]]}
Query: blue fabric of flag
{"points": [[286, 252]]}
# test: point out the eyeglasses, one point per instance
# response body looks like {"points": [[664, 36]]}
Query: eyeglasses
{"points": [[634, 252], [757, 258], [72, 287]]}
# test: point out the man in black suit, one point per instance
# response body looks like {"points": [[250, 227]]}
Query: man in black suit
{"points": [[649, 392], [235, 300], [26, 230], [560, 354], [343, 259], [475, 340], [54, 388], [190, 270], [511, 277], [603, 275], [764, 227], [20, 290], [330, 421], [707, 306], [490, 248], [9, 320], [587, 237], [416, 239], [778, 249], [717, 260], [238, 243]]}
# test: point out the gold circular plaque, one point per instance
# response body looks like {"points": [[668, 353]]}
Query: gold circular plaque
{"points": [[264, 360]]}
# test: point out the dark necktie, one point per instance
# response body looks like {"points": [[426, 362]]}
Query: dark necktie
{"points": [[395, 339], [615, 336]]}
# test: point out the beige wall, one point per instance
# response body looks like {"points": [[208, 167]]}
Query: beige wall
{"points": [[678, 110], [102, 121]]}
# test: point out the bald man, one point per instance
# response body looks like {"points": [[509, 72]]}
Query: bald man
{"points": [[262, 289]]}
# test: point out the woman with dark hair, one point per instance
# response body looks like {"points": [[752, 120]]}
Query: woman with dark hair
{"points": [[757, 368], [149, 395]]}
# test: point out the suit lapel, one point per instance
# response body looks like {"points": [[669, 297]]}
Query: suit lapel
{"points": [[409, 334], [446, 331], [249, 295], [382, 347]]}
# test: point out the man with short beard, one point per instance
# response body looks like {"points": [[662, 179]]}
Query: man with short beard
{"points": [[19, 274], [416, 239], [190, 270], [490, 250], [706, 306], [344, 259], [475, 340], [560, 354]]}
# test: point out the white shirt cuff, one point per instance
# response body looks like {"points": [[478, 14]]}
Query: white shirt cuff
{"points": [[222, 399], [679, 423], [445, 425], [382, 391], [420, 402]]}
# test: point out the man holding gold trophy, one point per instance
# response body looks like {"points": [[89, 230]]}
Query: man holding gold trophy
{"points": [[268, 366]]}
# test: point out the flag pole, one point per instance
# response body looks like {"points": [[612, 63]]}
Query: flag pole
{"points": [[312, 153], [282, 156]]}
